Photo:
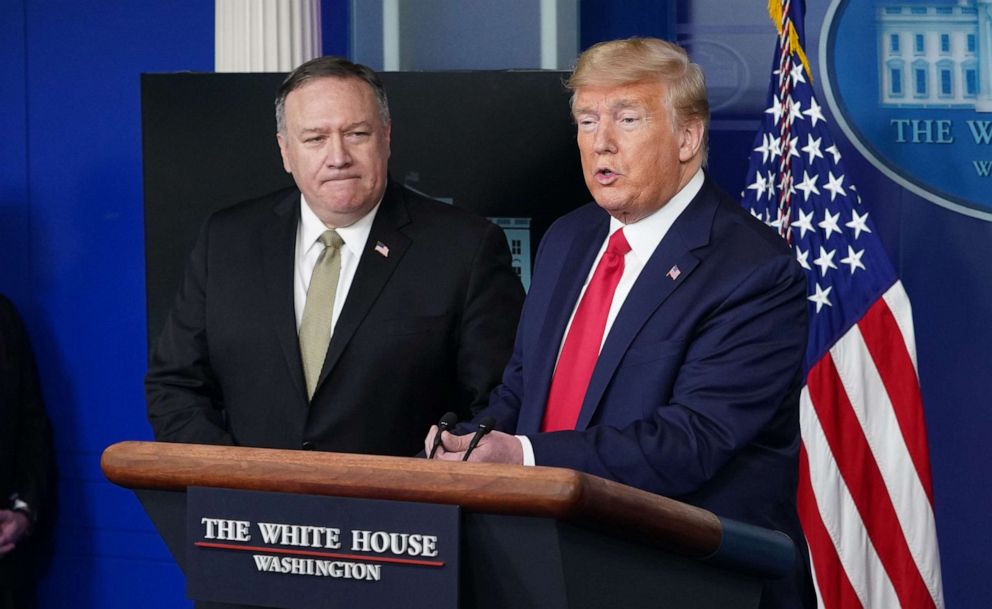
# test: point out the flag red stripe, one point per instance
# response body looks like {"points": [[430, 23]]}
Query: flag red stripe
{"points": [[835, 587], [865, 483], [887, 346]]}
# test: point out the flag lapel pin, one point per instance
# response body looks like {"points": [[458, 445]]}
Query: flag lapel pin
{"points": [[382, 249]]}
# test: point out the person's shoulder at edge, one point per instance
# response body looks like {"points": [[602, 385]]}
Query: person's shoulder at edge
{"points": [[273, 201], [736, 225]]}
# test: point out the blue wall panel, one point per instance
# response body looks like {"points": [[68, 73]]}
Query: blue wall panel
{"points": [[81, 228], [608, 19], [335, 27], [944, 265]]}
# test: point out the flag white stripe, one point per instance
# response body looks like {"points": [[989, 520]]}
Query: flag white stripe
{"points": [[872, 406], [840, 516], [898, 302]]}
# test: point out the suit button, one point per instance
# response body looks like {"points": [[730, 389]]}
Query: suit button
{"points": [[308, 446]]}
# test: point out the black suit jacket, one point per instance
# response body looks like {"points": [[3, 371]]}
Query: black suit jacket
{"points": [[25, 436], [424, 330]]}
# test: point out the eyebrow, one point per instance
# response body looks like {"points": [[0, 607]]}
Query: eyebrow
{"points": [[357, 125], [348, 127], [620, 104], [626, 103]]}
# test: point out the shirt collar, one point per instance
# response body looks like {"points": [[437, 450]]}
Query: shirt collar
{"points": [[645, 234], [354, 235]]}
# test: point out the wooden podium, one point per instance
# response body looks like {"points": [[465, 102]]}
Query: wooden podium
{"points": [[540, 537]]}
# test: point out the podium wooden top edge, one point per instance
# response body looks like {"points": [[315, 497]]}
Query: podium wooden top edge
{"points": [[477, 487]]}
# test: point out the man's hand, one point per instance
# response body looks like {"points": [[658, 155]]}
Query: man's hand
{"points": [[14, 526], [429, 441], [495, 447]]}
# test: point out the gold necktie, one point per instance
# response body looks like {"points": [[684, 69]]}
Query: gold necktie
{"points": [[315, 328]]}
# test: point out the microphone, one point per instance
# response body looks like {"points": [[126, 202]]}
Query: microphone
{"points": [[447, 421], [485, 426]]}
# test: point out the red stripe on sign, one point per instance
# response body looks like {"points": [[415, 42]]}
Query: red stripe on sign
{"points": [[398, 561], [831, 578], [864, 481], [887, 346]]}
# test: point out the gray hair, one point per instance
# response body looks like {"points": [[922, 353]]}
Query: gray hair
{"points": [[329, 67]]}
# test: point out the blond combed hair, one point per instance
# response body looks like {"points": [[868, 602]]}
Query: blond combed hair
{"points": [[636, 60]]}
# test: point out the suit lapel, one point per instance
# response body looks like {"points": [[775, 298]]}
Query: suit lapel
{"points": [[653, 286], [278, 252], [564, 295], [374, 270]]}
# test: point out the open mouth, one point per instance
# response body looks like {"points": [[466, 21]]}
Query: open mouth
{"points": [[605, 175]]}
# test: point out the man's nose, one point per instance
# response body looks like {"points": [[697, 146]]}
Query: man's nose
{"points": [[605, 141], [337, 152]]}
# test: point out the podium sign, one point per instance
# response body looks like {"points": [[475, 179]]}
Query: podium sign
{"points": [[299, 522], [300, 551]]}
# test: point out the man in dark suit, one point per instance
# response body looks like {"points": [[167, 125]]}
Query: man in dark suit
{"points": [[25, 459], [346, 315], [661, 343]]}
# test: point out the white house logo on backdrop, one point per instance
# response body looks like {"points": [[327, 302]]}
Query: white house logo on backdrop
{"points": [[909, 83]]}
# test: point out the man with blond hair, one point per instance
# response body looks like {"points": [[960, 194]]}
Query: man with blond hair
{"points": [[661, 344]]}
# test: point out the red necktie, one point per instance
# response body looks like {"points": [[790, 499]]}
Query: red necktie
{"points": [[585, 336]]}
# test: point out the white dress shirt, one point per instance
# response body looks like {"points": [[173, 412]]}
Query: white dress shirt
{"points": [[308, 249], [643, 237]]}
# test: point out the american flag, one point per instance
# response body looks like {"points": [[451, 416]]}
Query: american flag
{"points": [[865, 495]]}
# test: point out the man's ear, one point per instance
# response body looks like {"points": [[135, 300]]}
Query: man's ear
{"points": [[284, 151], [387, 131], [690, 140]]}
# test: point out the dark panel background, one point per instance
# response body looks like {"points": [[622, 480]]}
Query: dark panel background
{"points": [[496, 143]]}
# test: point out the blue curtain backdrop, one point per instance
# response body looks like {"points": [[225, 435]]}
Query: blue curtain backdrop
{"points": [[72, 258], [71, 241]]}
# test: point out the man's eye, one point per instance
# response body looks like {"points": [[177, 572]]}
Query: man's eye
{"points": [[628, 120], [586, 124], [314, 139]]}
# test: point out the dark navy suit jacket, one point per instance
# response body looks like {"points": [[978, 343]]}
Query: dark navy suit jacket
{"points": [[695, 394]]}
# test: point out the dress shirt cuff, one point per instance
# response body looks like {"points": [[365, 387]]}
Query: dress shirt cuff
{"points": [[528, 450], [19, 505]]}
